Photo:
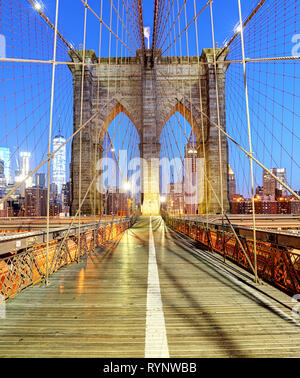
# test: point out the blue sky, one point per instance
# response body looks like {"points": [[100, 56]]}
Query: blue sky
{"points": [[72, 15]]}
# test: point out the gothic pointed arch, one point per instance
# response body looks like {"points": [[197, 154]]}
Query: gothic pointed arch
{"points": [[191, 114], [109, 113]]}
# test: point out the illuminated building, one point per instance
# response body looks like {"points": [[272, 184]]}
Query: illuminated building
{"points": [[5, 156], [12, 207], [114, 203], [40, 180], [295, 207], [2, 179], [66, 197], [1, 167], [175, 199], [231, 182], [35, 202], [59, 163], [55, 208], [53, 193], [190, 179], [25, 169], [271, 186]]}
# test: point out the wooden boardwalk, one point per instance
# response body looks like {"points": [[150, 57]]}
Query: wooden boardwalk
{"points": [[99, 307]]}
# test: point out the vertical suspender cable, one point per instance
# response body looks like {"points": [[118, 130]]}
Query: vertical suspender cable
{"points": [[80, 134], [250, 139], [192, 119], [49, 140], [218, 108], [201, 110], [98, 68]]}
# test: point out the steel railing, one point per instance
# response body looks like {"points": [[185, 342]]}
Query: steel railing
{"points": [[278, 259], [24, 261]]}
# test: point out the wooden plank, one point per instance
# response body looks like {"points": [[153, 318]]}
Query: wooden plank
{"points": [[97, 308], [208, 314], [92, 309]]}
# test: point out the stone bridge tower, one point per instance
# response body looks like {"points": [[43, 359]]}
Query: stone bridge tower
{"points": [[149, 91]]}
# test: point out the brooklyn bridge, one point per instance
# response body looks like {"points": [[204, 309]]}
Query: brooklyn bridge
{"points": [[149, 178]]}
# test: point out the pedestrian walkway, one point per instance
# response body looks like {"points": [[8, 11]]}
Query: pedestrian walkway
{"points": [[153, 294]]}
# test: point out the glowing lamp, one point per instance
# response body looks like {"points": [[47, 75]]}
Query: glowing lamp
{"points": [[126, 186], [38, 6], [238, 28]]}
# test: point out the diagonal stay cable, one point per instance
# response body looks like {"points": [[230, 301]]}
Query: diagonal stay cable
{"points": [[174, 23], [107, 26], [189, 24]]}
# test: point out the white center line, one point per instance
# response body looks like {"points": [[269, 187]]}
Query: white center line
{"points": [[156, 343]]}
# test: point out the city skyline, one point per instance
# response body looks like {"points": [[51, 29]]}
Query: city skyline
{"points": [[59, 162], [59, 168], [24, 166]]}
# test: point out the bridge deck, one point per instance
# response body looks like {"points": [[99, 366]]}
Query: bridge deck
{"points": [[98, 308]]}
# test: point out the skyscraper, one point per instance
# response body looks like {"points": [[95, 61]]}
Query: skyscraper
{"points": [[35, 202], [1, 167], [25, 163], [5, 156], [231, 181], [190, 179], [40, 180], [59, 163], [271, 186], [2, 179], [281, 174], [24, 169]]}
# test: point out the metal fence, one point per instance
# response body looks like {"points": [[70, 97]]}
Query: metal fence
{"points": [[27, 266], [276, 263]]}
